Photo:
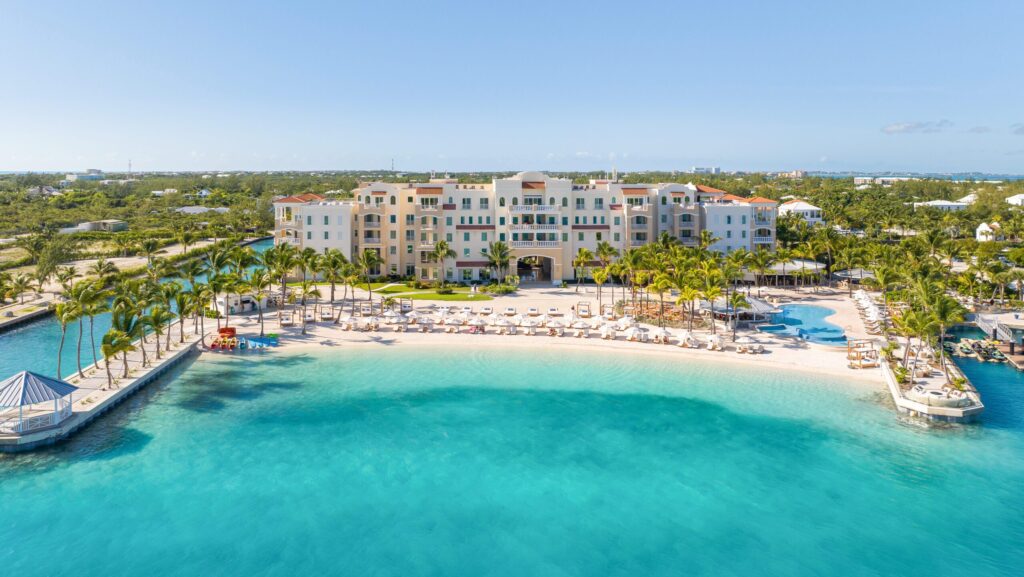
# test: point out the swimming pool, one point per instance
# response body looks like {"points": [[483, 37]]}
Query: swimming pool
{"points": [[806, 322]]}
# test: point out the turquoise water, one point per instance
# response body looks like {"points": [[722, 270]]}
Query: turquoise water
{"points": [[454, 461], [807, 322], [33, 346]]}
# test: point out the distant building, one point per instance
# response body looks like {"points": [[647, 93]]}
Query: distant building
{"points": [[201, 210], [988, 232], [706, 170], [793, 174], [805, 210], [969, 199], [41, 191], [1016, 200], [91, 174], [943, 205], [110, 225], [881, 180], [165, 192]]}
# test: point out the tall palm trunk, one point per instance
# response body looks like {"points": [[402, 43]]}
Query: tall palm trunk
{"points": [[124, 358], [92, 342], [110, 377], [78, 352], [60, 349]]}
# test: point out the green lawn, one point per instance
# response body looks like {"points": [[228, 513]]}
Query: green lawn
{"points": [[458, 296]]}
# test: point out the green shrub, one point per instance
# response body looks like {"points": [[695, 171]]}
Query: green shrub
{"points": [[445, 291]]}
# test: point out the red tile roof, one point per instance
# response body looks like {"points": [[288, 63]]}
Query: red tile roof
{"points": [[761, 200], [733, 197], [704, 188], [301, 198]]}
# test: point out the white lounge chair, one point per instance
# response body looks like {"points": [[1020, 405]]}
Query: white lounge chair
{"points": [[510, 311]]}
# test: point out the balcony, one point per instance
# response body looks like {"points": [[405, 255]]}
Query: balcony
{"points": [[529, 227], [371, 241], [427, 208], [638, 208], [288, 223], [371, 225], [521, 208], [371, 208], [763, 222], [536, 244], [764, 240]]}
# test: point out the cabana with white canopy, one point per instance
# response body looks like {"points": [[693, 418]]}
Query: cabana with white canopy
{"points": [[30, 402]]}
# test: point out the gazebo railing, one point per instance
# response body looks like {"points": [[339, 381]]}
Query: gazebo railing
{"points": [[14, 425]]}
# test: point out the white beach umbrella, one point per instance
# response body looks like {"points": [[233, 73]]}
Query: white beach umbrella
{"points": [[477, 322], [556, 324], [390, 314], [579, 324], [528, 323], [452, 321], [661, 333], [745, 340], [503, 323], [544, 319]]}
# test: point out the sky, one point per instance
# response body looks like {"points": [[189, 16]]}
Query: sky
{"points": [[896, 85]]}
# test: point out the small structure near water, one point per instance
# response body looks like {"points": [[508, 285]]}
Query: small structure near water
{"points": [[25, 402]]}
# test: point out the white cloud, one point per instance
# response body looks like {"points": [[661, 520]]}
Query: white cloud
{"points": [[1017, 128], [925, 127], [979, 129]]}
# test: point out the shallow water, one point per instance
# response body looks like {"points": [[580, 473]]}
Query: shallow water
{"points": [[454, 461]]}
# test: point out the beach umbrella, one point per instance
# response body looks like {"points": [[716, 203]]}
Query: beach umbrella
{"points": [[452, 321], [390, 314], [662, 333], [477, 322], [544, 319], [556, 324], [528, 323], [579, 324], [503, 323], [745, 340]]}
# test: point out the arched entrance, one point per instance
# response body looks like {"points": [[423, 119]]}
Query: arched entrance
{"points": [[535, 268]]}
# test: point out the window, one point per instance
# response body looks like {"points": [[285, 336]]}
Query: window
{"points": [[392, 249], [467, 203], [309, 220], [581, 203], [409, 199], [408, 249], [602, 220], [501, 201], [462, 220], [565, 237], [616, 221], [451, 200], [598, 236], [515, 201], [565, 221], [448, 237], [483, 236], [488, 220], [485, 204], [576, 220], [309, 235], [465, 237], [613, 200], [664, 201], [465, 252], [448, 221], [728, 234], [501, 221], [410, 219], [579, 236], [743, 219], [615, 237], [551, 201], [326, 235], [599, 203], [501, 237], [565, 202], [391, 200], [410, 235], [392, 219], [744, 234], [664, 219], [728, 219], [467, 274], [327, 220], [392, 234]]}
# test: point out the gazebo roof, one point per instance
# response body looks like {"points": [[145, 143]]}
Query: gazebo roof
{"points": [[26, 388]]}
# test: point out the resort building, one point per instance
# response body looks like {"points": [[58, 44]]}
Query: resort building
{"points": [[805, 210], [943, 205], [1016, 200], [544, 221]]}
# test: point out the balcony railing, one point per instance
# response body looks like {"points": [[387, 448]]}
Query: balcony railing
{"points": [[535, 227], [533, 208], [638, 207], [763, 221], [371, 225], [536, 244], [764, 240], [427, 208], [371, 240]]}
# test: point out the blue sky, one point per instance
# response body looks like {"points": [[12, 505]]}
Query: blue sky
{"points": [[897, 85]]}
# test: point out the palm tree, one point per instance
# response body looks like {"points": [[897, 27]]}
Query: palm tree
{"points": [[498, 256], [606, 253], [201, 295], [183, 303], [331, 267], [126, 318], [115, 343], [600, 276], [92, 300], [259, 283], [66, 312], [442, 252], [149, 247], [158, 316], [103, 268], [583, 259], [369, 261], [688, 295], [945, 312], [737, 301], [712, 291], [19, 285], [309, 289], [660, 286], [784, 256]]}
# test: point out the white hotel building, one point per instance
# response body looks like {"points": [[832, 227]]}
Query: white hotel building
{"points": [[544, 220]]}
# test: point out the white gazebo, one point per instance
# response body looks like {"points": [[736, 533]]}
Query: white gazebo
{"points": [[25, 402]]}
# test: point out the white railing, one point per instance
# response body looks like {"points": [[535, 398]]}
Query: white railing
{"points": [[536, 244], [427, 208], [637, 207], [371, 225], [763, 240], [533, 208], [373, 241], [535, 227]]}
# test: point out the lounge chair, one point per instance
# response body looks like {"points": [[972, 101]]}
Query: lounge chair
{"points": [[553, 311], [486, 311], [510, 311], [532, 311]]}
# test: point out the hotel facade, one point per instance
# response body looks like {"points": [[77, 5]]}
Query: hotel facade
{"points": [[544, 221]]}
